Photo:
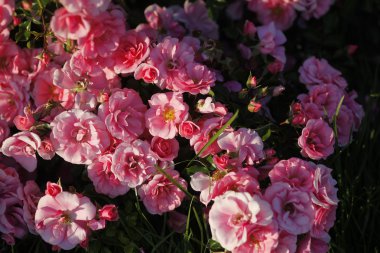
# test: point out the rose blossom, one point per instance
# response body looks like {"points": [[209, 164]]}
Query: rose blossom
{"points": [[104, 179], [108, 212], [294, 171], [160, 195], [133, 163], [166, 150], [124, 114], [246, 143], [317, 140], [292, 208], [61, 220], [89, 7], [271, 40], [52, 189], [287, 243], [188, 129], [148, 73], [66, 25], [22, 147], [6, 12], [167, 111], [4, 131], [133, 50], [78, 136], [234, 214]]}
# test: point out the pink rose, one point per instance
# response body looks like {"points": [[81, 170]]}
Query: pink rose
{"points": [[78, 136], [246, 143], [166, 150], [133, 163], [188, 129], [133, 50], [292, 208], [249, 29], [317, 140], [124, 114], [295, 172], [89, 7], [167, 111], [205, 105], [66, 25], [271, 40], [345, 125], [24, 123], [61, 220], [160, 195], [22, 147], [234, 214], [104, 179], [46, 150], [287, 243], [148, 73], [53, 189], [4, 131], [109, 213], [30, 194]]}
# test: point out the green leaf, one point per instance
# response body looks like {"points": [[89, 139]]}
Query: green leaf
{"points": [[195, 168], [215, 246], [267, 135]]}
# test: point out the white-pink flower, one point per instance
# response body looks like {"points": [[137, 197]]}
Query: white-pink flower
{"points": [[104, 178], [124, 114], [234, 214], [133, 163], [62, 220], [160, 195], [22, 147], [78, 136], [167, 111], [66, 25]]}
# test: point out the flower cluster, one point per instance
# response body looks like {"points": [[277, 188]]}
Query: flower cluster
{"points": [[129, 106]]}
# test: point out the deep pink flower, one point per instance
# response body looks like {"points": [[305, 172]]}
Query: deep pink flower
{"points": [[104, 178], [148, 73], [294, 171], [108, 212], [188, 129], [234, 214], [166, 149], [4, 131], [317, 140], [124, 114], [133, 50], [133, 163], [292, 208], [78, 136], [246, 143], [53, 189], [6, 12], [316, 71], [287, 243], [310, 244], [170, 57], [22, 147], [167, 111], [62, 220], [160, 195], [66, 25]]}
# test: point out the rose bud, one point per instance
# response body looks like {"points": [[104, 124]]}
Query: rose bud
{"points": [[108, 212], [52, 189]]}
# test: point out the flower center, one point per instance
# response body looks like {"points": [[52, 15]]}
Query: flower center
{"points": [[169, 114], [65, 218], [289, 208]]}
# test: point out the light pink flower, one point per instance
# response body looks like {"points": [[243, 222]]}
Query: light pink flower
{"points": [[104, 178], [196, 79], [78, 136], [316, 71], [44, 90], [160, 195], [22, 147], [133, 50], [85, 100], [205, 105], [313, 8], [108, 212], [148, 73], [66, 25], [165, 149], [261, 239], [46, 150], [188, 129], [246, 143], [281, 12], [292, 208], [124, 114], [30, 194], [317, 140], [294, 171], [104, 36], [89, 7], [325, 200], [4, 131], [167, 111], [170, 57], [195, 17], [133, 163], [234, 214], [61, 220], [271, 40]]}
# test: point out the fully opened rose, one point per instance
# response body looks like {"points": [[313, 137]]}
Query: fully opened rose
{"points": [[188, 127]]}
